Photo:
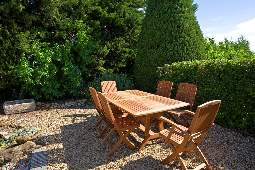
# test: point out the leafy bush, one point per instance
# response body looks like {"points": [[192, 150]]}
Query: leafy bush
{"points": [[228, 49], [170, 33], [232, 81], [50, 71], [122, 80], [50, 49]]}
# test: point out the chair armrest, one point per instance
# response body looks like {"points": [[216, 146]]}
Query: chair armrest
{"points": [[189, 112], [175, 125]]}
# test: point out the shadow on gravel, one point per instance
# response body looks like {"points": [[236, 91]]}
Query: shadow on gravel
{"points": [[148, 163], [82, 147], [68, 104]]}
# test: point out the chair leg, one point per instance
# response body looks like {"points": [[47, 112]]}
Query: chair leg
{"points": [[99, 125], [108, 135], [182, 163], [129, 143], [98, 122], [116, 146], [102, 133], [171, 157], [201, 156]]}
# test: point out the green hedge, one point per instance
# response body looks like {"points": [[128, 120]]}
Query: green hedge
{"points": [[232, 81]]}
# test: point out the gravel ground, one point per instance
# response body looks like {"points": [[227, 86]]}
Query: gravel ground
{"points": [[69, 135]]}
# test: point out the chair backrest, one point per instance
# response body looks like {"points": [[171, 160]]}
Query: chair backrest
{"points": [[107, 111], [203, 120], [186, 92], [95, 99], [108, 86], [164, 88]]}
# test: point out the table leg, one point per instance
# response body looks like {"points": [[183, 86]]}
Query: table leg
{"points": [[148, 133], [147, 125]]}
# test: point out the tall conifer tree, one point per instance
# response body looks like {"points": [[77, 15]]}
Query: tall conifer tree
{"points": [[170, 33]]}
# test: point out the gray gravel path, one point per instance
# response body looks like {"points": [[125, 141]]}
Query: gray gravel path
{"points": [[72, 143]]}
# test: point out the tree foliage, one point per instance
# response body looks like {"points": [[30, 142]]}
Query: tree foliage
{"points": [[228, 49], [51, 48], [116, 24], [170, 33]]}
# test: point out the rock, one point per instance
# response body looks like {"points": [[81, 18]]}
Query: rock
{"points": [[23, 139], [26, 147], [19, 106], [15, 152], [20, 125]]}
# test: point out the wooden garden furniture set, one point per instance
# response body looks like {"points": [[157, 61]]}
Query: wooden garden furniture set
{"points": [[126, 111]]}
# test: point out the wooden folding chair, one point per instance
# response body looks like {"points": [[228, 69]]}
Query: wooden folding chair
{"points": [[98, 107], [97, 104], [187, 139], [186, 92], [164, 88], [108, 86], [122, 125]]}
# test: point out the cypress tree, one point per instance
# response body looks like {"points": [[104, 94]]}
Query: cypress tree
{"points": [[170, 33]]}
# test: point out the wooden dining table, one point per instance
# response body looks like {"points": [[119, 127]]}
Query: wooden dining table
{"points": [[143, 104]]}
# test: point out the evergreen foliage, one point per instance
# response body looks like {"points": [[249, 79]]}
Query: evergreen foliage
{"points": [[170, 33], [232, 81]]}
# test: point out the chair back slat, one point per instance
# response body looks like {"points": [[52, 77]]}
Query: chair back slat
{"points": [[95, 99], [164, 88], [108, 86], [107, 111], [203, 119], [186, 92]]}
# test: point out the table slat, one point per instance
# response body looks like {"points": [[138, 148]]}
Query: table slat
{"points": [[140, 103]]}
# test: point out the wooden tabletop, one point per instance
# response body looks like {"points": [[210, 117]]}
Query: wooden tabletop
{"points": [[139, 103]]}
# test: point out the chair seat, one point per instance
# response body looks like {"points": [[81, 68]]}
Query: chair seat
{"points": [[126, 123], [172, 123], [179, 112], [174, 136], [182, 117]]}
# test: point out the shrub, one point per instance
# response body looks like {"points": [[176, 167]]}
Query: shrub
{"points": [[50, 71], [48, 48], [170, 33], [232, 81], [122, 80], [228, 49]]}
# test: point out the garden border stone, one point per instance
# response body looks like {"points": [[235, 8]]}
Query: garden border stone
{"points": [[19, 106]]}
